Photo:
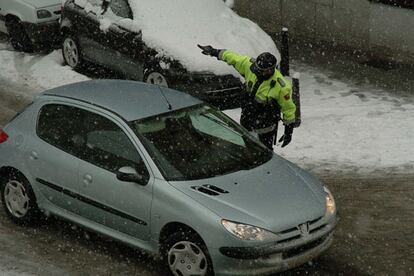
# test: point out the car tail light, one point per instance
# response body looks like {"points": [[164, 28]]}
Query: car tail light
{"points": [[3, 136]]}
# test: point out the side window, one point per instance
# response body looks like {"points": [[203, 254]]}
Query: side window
{"points": [[121, 8], [108, 147], [59, 126]]}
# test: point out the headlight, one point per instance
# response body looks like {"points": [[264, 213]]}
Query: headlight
{"points": [[330, 203], [247, 232], [43, 14]]}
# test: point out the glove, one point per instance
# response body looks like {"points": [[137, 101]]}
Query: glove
{"points": [[209, 51], [287, 136]]}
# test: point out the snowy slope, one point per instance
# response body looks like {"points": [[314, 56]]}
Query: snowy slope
{"points": [[345, 127]]}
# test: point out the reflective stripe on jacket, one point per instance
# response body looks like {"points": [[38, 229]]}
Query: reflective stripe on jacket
{"points": [[275, 88]]}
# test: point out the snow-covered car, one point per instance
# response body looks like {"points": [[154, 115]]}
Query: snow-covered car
{"points": [[30, 23], [156, 42], [160, 170]]}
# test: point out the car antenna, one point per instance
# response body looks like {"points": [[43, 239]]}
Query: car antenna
{"points": [[162, 93]]}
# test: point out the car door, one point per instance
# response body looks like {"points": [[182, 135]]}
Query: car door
{"points": [[125, 47], [91, 38], [51, 155], [122, 206]]}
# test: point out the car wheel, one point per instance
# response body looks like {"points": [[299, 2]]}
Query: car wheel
{"points": [[155, 77], [71, 52], [18, 199], [18, 36], [186, 254]]}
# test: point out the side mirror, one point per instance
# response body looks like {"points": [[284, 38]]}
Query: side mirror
{"points": [[129, 174]]}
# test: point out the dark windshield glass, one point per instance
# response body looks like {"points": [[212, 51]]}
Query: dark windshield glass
{"points": [[199, 142]]}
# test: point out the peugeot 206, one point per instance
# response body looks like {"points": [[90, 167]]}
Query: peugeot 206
{"points": [[160, 170]]}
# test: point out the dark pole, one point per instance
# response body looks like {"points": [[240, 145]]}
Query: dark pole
{"points": [[296, 98], [284, 62]]}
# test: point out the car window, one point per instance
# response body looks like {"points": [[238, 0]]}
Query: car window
{"points": [[59, 126], [198, 142], [121, 8], [88, 136], [107, 146]]}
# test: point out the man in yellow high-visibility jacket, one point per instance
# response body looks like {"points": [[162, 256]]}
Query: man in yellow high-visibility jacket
{"points": [[267, 93]]}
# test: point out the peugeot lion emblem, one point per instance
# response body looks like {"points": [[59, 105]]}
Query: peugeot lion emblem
{"points": [[304, 229]]}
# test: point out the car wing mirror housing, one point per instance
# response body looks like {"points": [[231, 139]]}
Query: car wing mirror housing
{"points": [[129, 174]]}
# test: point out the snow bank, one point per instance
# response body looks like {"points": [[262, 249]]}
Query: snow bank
{"points": [[37, 71], [175, 28]]}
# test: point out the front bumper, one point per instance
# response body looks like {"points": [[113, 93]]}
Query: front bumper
{"points": [[271, 258], [42, 33]]}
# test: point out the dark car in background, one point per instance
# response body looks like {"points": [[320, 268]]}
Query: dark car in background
{"points": [[124, 51]]}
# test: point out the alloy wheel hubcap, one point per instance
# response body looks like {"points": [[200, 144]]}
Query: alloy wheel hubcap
{"points": [[16, 199], [157, 78], [186, 258], [71, 53]]}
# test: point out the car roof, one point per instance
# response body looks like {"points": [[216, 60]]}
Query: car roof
{"points": [[129, 99]]}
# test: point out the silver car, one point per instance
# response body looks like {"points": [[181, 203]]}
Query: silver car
{"points": [[160, 170]]}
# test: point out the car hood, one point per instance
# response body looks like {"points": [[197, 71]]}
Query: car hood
{"points": [[276, 196], [43, 3], [174, 28]]}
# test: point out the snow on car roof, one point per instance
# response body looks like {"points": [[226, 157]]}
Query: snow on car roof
{"points": [[174, 28]]}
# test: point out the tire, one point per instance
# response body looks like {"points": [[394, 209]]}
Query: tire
{"points": [[18, 36], [71, 51], [18, 199], [155, 76], [185, 254]]}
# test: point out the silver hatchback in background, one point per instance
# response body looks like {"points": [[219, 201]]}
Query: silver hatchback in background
{"points": [[162, 171]]}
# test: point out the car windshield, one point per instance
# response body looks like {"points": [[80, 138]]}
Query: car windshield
{"points": [[199, 142]]}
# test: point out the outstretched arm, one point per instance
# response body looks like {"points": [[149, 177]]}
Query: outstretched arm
{"points": [[239, 62]]}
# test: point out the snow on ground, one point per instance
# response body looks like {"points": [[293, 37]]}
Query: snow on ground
{"points": [[349, 128], [37, 71], [345, 127]]}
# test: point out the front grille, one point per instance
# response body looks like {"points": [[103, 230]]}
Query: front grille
{"points": [[290, 239], [317, 229], [303, 248], [294, 232], [57, 12]]}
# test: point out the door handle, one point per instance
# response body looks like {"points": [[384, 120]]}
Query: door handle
{"points": [[87, 179], [33, 155]]}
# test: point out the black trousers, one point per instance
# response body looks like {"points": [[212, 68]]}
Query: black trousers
{"points": [[268, 138]]}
